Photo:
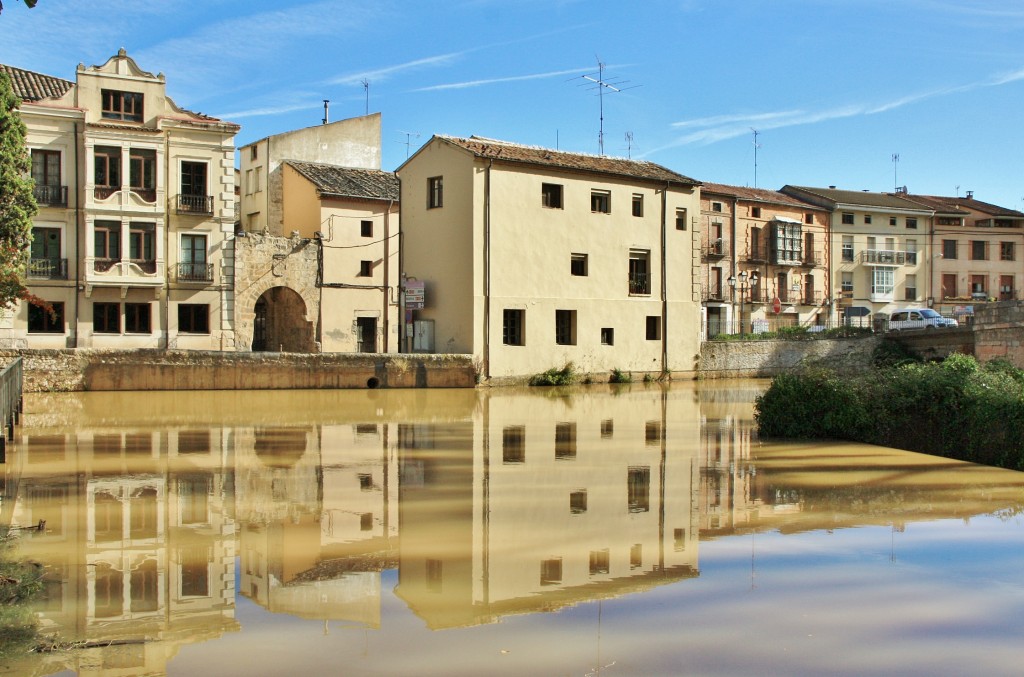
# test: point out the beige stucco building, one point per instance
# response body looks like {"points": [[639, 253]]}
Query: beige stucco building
{"points": [[532, 258], [133, 243], [758, 246]]}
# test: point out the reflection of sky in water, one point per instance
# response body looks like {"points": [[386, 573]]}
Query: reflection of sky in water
{"points": [[778, 592]]}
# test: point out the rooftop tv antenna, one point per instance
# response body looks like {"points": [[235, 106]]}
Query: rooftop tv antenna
{"points": [[366, 91], [895, 163], [409, 136], [629, 145], [326, 104], [756, 146], [597, 81]]}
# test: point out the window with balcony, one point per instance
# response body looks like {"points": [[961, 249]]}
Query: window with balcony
{"points": [[142, 246], [46, 321], [107, 171], [193, 318], [45, 260], [979, 285], [142, 173], [883, 280], [551, 195], [565, 327], [601, 201], [782, 287], [755, 245], [911, 252], [193, 197], [193, 265], [638, 204], [847, 253], [513, 324], [106, 244], [137, 318], [910, 288], [435, 192], [1007, 251], [949, 249], [810, 294], [847, 284], [106, 318], [125, 106], [639, 272], [46, 174], [979, 250]]}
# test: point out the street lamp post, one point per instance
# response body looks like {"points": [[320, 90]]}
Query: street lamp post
{"points": [[743, 277]]}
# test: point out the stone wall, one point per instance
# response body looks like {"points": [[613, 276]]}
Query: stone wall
{"points": [[74, 370], [999, 332], [746, 359]]}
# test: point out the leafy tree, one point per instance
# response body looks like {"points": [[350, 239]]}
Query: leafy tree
{"points": [[17, 203], [30, 3]]}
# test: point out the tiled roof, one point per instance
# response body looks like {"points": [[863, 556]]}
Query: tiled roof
{"points": [[964, 204], [754, 195], [941, 205], [600, 164], [857, 198], [335, 181], [29, 86]]}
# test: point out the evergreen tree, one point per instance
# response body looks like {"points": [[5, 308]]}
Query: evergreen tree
{"points": [[17, 203]]}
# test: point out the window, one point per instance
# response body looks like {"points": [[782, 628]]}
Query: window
{"points": [[652, 433], [257, 180], [979, 250], [882, 282], [782, 287], [578, 501], [636, 556], [1006, 288], [107, 174], [601, 201], [513, 444], [141, 243], [193, 188], [137, 318], [910, 288], [755, 212], [43, 321], [142, 172], [107, 240], [949, 285], [46, 175], [979, 285], [892, 220], [565, 327], [912, 252], [755, 245], [193, 318], [45, 254], [253, 152], [248, 182], [847, 219], [809, 218], [867, 218], [638, 204], [551, 571], [639, 272], [106, 318], [911, 223], [847, 284], [565, 441], [435, 192], [366, 269], [787, 243], [607, 336], [121, 105], [653, 327], [949, 249], [193, 266], [638, 488], [847, 255], [578, 265], [681, 219], [513, 321], [1006, 251], [599, 561], [551, 195], [716, 206], [366, 228]]}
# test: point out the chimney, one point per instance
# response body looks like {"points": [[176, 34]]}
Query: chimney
{"points": [[832, 187], [970, 195]]}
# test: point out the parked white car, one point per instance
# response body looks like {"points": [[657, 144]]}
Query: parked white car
{"points": [[919, 318]]}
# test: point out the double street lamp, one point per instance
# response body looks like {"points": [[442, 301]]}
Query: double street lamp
{"points": [[744, 286]]}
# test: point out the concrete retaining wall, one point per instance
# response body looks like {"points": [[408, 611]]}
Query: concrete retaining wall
{"points": [[74, 370], [747, 359]]}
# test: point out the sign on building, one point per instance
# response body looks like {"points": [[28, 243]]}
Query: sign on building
{"points": [[415, 294]]}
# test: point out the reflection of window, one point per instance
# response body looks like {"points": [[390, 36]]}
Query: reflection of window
{"points": [[366, 521], [599, 561], [144, 590], [578, 501], [551, 571], [652, 432], [193, 441], [513, 444], [143, 513], [195, 571], [636, 556], [108, 591], [639, 489], [365, 482], [194, 495], [607, 427], [565, 441], [679, 540], [434, 568], [107, 517]]}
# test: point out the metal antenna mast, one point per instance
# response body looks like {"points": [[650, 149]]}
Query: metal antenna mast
{"points": [[409, 136], [598, 82], [629, 145], [895, 181], [756, 146], [366, 91]]}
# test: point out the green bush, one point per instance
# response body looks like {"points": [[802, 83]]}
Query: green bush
{"points": [[619, 376], [19, 583], [555, 377]]}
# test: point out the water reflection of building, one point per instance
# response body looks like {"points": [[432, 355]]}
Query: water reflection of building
{"points": [[138, 546], [540, 503]]}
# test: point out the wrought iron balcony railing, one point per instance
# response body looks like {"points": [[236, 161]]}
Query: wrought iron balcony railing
{"points": [[639, 283], [195, 204], [48, 269], [51, 196], [195, 272]]}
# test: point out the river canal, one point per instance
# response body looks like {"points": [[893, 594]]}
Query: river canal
{"points": [[626, 530]]}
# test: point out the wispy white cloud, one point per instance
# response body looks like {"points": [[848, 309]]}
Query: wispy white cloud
{"points": [[512, 78], [386, 72], [270, 110], [741, 118]]}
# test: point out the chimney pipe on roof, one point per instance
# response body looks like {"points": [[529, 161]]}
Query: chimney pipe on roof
{"points": [[326, 101], [970, 194]]}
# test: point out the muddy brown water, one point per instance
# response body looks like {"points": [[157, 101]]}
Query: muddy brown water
{"points": [[633, 530]]}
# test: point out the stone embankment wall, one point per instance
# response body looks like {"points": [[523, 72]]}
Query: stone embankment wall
{"points": [[74, 370], [999, 332], [752, 359]]}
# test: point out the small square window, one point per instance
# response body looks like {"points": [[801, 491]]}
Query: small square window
{"points": [[106, 318], [551, 195], [512, 329], [366, 269], [366, 228], [599, 561], [681, 219], [638, 204], [607, 336], [601, 201], [892, 220], [755, 212], [847, 219], [716, 206], [911, 223], [867, 218], [137, 318], [653, 327], [578, 501], [578, 265], [43, 321], [193, 318], [809, 218]]}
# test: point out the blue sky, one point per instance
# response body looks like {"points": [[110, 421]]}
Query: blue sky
{"points": [[835, 88]]}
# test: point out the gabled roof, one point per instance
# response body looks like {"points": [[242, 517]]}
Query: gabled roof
{"points": [[941, 205], [504, 151], [335, 181], [31, 86], [755, 195], [855, 198], [968, 204]]}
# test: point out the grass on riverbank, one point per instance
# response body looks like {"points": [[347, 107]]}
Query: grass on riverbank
{"points": [[957, 408], [19, 583]]}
